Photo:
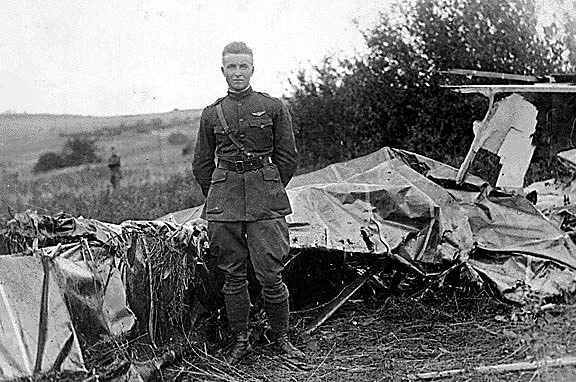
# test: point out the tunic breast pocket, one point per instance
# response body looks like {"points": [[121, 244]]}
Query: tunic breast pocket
{"points": [[224, 145], [219, 133], [260, 130]]}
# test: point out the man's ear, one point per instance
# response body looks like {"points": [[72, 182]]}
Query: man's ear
{"points": [[222, 69]]}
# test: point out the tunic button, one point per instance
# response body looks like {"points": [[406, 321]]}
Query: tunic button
{"points": [[242, 135], [241, 120]]}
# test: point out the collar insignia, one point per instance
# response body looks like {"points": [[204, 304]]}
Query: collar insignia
{"points": [[259, 113]]}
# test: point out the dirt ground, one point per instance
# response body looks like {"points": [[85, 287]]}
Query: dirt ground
{"points": [[378, 338], [397, 338]]}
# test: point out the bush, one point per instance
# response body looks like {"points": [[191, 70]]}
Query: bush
{"points": [[156, 123], [79, 151], [188, 149], [47, 162], [178, 139], [76, 151]]}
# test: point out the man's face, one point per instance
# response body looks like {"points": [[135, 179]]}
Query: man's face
{"points": [[237, 68]]}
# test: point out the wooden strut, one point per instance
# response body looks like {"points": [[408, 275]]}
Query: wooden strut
{"points": [[342, 297], [485, 74], [517, 366], [151, 328], [478, 141]]}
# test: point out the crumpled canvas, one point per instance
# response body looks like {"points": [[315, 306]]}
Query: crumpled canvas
{"points": [[398, 201]]}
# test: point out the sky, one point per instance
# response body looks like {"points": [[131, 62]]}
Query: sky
{"points": [[103, 57]]}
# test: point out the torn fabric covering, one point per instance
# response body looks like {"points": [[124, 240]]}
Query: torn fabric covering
{"points": [[411, 204], [35, 231], [95, 266], [556, 197], [369, 204], [520, 277], [568, 159], [507, 132], [96, 296], [36, 332], [63, 226]]}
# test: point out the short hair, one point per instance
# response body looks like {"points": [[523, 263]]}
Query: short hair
{"points": [[237, 47]]}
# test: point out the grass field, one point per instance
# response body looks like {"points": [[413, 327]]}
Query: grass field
{"points": [[156, 176]]}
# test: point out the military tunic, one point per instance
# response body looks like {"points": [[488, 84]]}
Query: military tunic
{"points": [[263, 125], [245, 209], [114, 166]]}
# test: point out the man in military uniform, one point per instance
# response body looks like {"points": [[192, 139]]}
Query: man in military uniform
{"points": [[114, 166], [251, 135]]}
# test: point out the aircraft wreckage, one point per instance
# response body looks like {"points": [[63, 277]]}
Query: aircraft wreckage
{"points": [[68, 280]]}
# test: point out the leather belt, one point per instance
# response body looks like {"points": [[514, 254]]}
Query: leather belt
{"points": [[241, 166]]}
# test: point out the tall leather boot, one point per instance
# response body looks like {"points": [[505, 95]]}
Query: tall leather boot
{"points": [[278, 316], [238, 309], [240, 350]]}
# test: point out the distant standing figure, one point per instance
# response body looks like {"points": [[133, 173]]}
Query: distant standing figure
{"points": [[114, 166]]}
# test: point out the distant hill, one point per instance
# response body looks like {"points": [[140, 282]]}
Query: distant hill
{"points": [[23, 137], [39, 126]]}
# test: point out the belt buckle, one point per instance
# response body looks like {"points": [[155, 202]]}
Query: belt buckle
{"points": [[239, 166]]}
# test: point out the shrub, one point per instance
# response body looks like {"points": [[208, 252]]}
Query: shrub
{"points": [[188, 149], [47, 162], [79, 151], [76, 151], [178, 139], [156, 123]]}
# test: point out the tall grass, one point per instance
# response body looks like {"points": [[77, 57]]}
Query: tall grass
{"points": [[86, 191]]}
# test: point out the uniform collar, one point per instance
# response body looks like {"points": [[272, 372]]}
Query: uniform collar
{"points": [[240, 94]]}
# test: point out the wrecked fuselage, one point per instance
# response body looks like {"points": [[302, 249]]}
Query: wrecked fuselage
{"points": [[408, 208]]}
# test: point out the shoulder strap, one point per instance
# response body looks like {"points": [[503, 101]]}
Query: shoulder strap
{"points": [[266, 95], [226, 129], [216, 102]]}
